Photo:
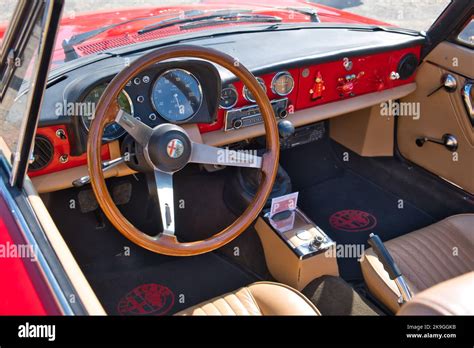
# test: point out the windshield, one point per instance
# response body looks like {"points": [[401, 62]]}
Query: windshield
{"points": [[89, 26]]}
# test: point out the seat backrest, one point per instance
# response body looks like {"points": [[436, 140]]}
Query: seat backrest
{"points": [[452, 297]]}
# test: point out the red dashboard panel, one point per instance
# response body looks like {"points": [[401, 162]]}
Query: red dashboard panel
{"points": [[331, 81], [62, 148]]}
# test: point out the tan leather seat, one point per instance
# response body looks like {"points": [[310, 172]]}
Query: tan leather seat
{"points": [[452, 297], [262, 298], [426, 257]]}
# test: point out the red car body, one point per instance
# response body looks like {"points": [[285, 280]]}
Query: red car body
{"points": [[126, 34]]}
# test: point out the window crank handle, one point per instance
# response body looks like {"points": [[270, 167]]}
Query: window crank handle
{"points": [[448, 140]]}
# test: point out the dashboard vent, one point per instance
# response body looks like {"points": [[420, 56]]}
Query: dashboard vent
{"points": [[43, 153], [407, 66]]}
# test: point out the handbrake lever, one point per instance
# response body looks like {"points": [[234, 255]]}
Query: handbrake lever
{"points": [[391, 267]]}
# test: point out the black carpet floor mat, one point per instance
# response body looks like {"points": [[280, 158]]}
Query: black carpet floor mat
{"points": [[131, 280], [348, 208], [168, 287]]}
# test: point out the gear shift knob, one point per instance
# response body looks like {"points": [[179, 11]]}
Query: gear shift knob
{"points": [[285, 128]]}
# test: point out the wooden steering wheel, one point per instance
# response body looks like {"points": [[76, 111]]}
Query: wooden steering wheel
{"points": [[156, 142]]}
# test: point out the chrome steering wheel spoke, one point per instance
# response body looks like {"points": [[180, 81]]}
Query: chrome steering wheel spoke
{"points": [[136, 128], [206, 154], [165, 193]]}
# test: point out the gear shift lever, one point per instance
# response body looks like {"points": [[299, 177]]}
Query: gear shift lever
{"points": [[286, 129]]}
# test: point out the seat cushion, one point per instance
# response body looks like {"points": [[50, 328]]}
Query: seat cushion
{"points": [[426, 257], [261, 298], [452, 297]]}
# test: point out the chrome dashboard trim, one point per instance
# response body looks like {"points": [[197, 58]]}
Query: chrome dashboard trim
{"points": [[247, 107]]}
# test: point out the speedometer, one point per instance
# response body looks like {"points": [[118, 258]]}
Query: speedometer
{"points": [[177, 95], [112, 130]]}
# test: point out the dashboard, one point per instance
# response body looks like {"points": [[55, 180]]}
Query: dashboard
{"points": [[194, 92]]}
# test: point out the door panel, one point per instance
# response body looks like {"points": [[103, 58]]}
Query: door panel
{"points": [[441, 113]]}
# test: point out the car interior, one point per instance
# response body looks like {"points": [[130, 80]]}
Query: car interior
{"points": [[374, 136]]}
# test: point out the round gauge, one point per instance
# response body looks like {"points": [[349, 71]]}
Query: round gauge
{"points": [[283, 83], [229, 97], [249, 96], [176, 95], [112, 130]]}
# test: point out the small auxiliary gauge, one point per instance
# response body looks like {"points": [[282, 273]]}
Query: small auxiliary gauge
{"points": [[283, 83], [229, 97], [249, 96]]}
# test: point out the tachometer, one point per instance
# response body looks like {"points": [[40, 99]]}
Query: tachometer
{"points": [[112, 131], [177, 95], [283, 83], [229, 97], [249, 96]]}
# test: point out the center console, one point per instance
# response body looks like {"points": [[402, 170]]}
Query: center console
{"points": [[296, 250]]}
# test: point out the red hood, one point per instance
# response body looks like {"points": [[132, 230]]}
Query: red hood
{"points": [[126, 34]]}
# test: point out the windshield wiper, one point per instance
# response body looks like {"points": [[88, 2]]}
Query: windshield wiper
{"points": [[223, 15], [352, 27], [396, 30], [308, 11], [231, 19], [68, 44]]}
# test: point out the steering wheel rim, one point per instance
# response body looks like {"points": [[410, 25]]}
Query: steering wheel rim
{"points": [[107, 111]]}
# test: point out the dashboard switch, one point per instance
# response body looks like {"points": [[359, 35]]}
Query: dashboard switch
{"points": [[61, 134], [394, 75], [347, 83], [63, 159]]}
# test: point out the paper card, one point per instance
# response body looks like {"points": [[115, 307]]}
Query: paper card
{"points": [[282, 203]]}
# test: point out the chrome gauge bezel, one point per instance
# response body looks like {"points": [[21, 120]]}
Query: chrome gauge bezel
{"points": [[231, 87], [245, 90], [119, 135], [201, 96], [274, 81]]}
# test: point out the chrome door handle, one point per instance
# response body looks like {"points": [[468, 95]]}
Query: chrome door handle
{"points": [[467, 99], [449, 141]]}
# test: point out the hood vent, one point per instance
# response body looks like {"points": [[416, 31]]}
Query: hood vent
{"points": [[106, 44], [43, 153]]}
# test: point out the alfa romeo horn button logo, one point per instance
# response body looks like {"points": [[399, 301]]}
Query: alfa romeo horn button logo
{"points": [[175, 148]]}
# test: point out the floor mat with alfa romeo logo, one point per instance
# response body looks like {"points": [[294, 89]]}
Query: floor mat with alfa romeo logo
{"points": [[348, 208], [168, 287]]}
